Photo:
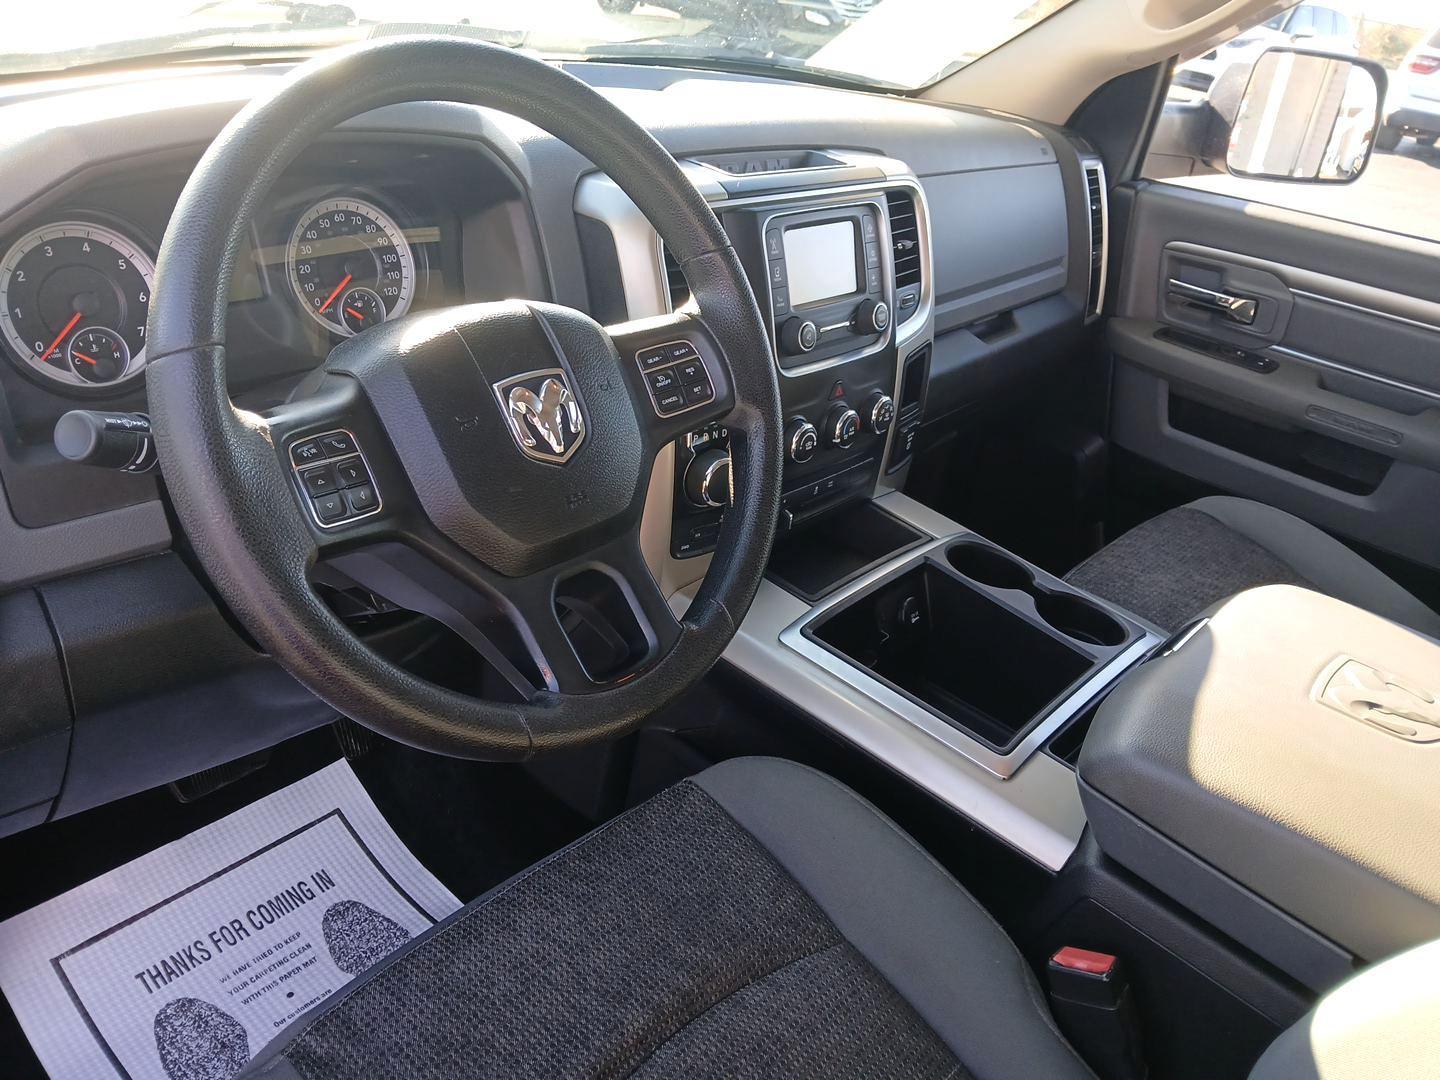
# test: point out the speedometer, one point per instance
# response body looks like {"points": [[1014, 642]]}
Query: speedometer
{"points": [[350, 265], [73, 301]]}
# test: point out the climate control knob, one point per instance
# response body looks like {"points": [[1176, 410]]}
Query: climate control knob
{"points": [[842, 424], [801, 440], [798, 336], [707, 479], [871, 317], [880, 413]]}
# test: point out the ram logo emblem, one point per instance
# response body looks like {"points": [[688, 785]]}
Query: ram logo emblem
{"points": [[543, 414]]}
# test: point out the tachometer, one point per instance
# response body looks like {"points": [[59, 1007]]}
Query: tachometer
{"points": [[73, 301], [350, 265]]}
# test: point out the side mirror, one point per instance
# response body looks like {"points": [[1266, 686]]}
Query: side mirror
{"points": [[1307, 117]]}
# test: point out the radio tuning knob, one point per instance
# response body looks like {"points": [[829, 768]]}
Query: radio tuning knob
{"points": [[798, 336], [881, 412], [801, 440], [707, 479], [842, 424], [872, 316]]}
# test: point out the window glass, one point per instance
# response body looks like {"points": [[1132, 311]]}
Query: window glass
{"points": [[1400, 189]]}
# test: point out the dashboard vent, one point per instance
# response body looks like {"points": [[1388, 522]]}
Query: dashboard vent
{"points": [[675, 283], [904, 237], [1099, 234]]}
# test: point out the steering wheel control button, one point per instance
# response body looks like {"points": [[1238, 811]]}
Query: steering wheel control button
{"points": [[305, 453], [329, 509], [362, 499], [676, 377], [337, 444], [319, 480], [339, 490], [352, 473]]}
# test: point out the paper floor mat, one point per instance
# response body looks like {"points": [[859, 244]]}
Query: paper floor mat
{"points": [[184, 963]]}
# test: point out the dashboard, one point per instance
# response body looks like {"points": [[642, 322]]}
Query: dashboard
{"points": [[911, 261]]}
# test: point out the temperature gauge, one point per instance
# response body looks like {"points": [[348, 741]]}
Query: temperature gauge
{"points": [[98, 355]]}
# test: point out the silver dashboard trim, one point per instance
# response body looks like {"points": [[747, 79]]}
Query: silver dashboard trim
{"points": [[994, 762], [1087, 164]]}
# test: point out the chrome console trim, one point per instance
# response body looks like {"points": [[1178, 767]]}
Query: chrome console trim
{"points": [[1000, 765]]}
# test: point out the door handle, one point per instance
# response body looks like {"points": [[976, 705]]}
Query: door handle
{"points": [[1240, 309]]}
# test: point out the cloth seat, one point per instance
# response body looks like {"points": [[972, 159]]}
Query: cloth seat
{"points": [[1176, 565], [757, 920]]}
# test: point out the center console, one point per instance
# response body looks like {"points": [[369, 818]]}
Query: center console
{"points": [[823, 265]]}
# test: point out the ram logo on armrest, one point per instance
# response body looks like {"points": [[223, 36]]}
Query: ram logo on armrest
{"points": [[1385, 701]]}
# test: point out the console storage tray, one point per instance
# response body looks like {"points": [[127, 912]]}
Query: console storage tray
{"points": [[1278, 773], [983, 641]]}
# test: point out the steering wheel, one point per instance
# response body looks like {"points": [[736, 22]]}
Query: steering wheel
{"points": [[508, 446]]}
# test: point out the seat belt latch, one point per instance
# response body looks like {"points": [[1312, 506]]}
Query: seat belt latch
{"points": [[1094, 1007]]}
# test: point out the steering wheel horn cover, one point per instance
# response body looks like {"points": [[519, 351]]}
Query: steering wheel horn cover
{"points": [[230, 484]]}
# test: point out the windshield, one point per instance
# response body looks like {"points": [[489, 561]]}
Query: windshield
{"points": [[896, 44]]}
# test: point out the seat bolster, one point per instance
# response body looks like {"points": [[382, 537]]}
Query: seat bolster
{"points": [[1319, 558], [1383, 1022], [909, 918]]}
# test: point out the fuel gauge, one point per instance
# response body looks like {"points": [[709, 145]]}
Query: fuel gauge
{"points": [[98, 355], [360, 309]]}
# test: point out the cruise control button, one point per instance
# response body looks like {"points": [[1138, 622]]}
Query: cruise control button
{"points": [[660, 381], [352, 473], [694, 371], [362, 499], [330, 508], [306, 452], [670, 402], [319, 480], [337, 444], [698, 392], [652, 357]]}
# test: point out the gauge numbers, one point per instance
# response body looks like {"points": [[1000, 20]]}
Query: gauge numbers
{"points": [[351, 266], [74, 297]]}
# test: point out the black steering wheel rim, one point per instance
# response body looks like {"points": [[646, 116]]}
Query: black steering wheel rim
{"points": [[228, 485]]}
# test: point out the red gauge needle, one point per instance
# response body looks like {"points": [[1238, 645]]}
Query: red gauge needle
{"points": [[352, 311], [323, 307], [63, 335], [88, 359]]}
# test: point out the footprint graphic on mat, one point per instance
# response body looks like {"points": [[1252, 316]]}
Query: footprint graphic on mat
{"points": [[358, 936], [197, 1041]]}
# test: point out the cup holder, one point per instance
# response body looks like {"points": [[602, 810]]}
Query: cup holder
{"points": [[1079, 619], [1072, 615], [989, 567]]}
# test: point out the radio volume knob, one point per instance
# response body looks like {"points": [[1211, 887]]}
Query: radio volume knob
{"points": [[842, 424], [801, 440], [707, 479], [872, 316], [881, 413], [798, 336]]}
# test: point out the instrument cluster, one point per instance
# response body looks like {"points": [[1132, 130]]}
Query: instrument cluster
{"points": [[75, 293]]}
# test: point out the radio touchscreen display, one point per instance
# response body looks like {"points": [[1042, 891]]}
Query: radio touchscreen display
{"points": [[820, 262]]}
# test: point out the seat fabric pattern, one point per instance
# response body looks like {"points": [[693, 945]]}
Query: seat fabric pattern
{"points": [[666, 943], [1174, 566]]}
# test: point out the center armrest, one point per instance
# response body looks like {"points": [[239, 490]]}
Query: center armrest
{"points": [[1279, 773]]}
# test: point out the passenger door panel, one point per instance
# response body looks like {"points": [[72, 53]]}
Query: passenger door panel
{"points": [[1324, 402]]}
